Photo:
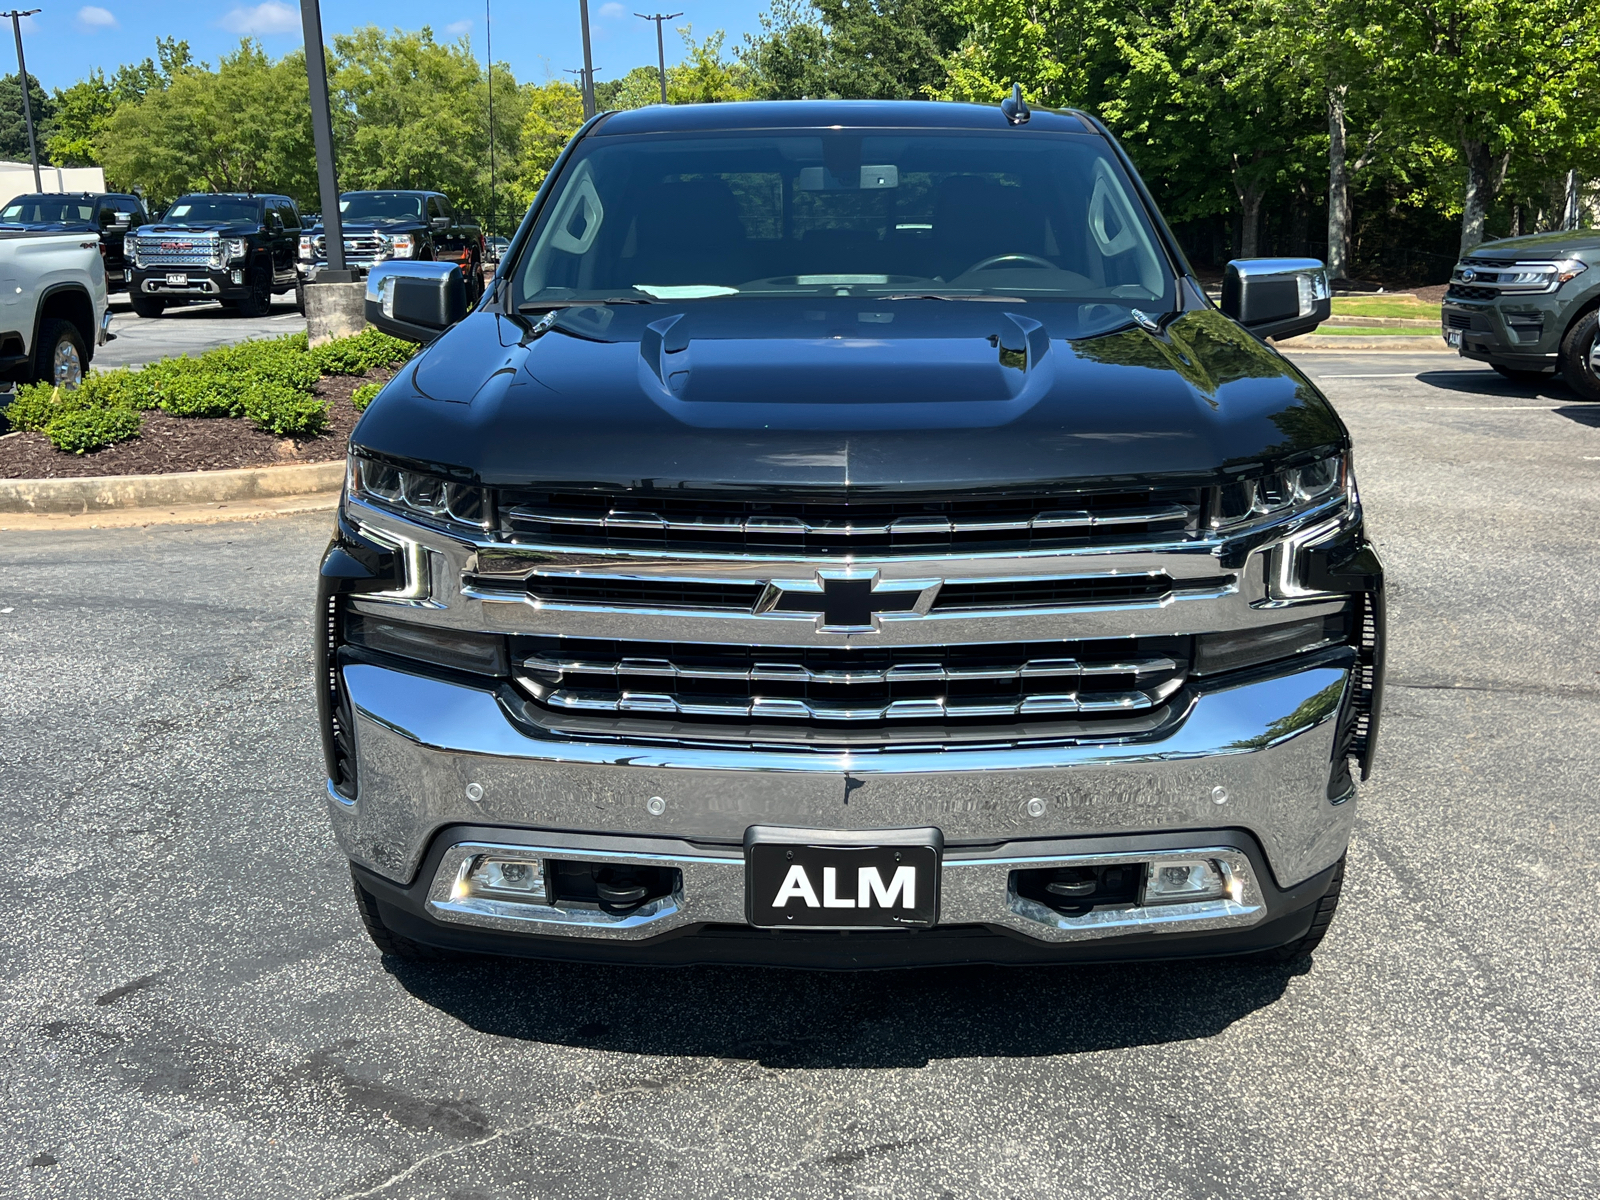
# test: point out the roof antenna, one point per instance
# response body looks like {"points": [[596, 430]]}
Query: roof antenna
{"points": [[1015, 108]]}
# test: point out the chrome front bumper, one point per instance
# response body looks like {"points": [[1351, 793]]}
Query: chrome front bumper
{"points": [[1254, 756]]}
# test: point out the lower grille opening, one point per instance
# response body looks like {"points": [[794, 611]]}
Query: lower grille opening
{"points": [[1074, 891], [615, 888]]}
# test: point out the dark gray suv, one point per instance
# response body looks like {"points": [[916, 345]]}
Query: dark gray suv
{"points": [[1528, 306]]}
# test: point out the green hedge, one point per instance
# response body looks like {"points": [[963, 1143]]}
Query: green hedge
{"points": [[365, 395], [269, 382]]}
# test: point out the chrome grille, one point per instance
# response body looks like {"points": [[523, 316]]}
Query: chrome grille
{"points": [[358, 247], [177, 250], [836, 528], [1100, 681]]}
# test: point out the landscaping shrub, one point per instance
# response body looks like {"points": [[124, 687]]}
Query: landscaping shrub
{"points": [[285, 411], [36, 405], [365, 395], [79, 430], [359, 354]]}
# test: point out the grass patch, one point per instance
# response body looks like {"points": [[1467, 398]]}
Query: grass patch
{"points": [[1372, 331], [1383, 306], [269, 382]]}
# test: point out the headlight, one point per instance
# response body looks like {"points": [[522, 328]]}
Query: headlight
{"points": [[1280, 494], [402, 245], [415, 494], [305, 248], [235, 248]]}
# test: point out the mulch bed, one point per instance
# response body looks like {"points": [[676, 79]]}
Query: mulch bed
{"points": [[170, 444]]}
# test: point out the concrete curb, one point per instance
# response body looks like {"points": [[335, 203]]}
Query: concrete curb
{"points": [[105, 493], [1410, 345]]}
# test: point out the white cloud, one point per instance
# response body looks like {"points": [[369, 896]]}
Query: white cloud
{"points": [[270, 16], [92, 18], [459, 28], [613, 11]]}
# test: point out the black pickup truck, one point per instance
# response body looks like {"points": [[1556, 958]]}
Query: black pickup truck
{"points": [[234, 247], [383, 226], [110, 214], [847, 535]]}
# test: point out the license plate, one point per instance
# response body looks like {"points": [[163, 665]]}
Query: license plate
{"points": [[806, 879], [1452, 337], [177, 281]]}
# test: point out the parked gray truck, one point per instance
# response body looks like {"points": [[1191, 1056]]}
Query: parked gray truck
{"points": [[1530, 308]]}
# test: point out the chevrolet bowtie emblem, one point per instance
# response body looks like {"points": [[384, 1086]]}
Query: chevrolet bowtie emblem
{"points": [[846, 601]]}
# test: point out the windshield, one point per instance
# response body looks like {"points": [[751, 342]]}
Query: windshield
{"points": [[47, 210], [192, 210], [844, 213], [380, 206]]}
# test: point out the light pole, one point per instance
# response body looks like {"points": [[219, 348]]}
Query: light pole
{"points": [[488, 45], [322, 135], [27, 101], [588, 62], [661, 48]]}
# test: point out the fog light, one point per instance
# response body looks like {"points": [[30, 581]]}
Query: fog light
{"points": [[238, 277], [502, 879], [1176, 882]]}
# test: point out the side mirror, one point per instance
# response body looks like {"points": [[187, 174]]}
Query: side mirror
{"points": [[439, 224], [1277, 297], [120, 222], [415, 300]]}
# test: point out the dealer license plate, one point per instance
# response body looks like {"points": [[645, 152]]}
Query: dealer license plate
{"points": [[796, 878], [1452, 337], [177, 281]]}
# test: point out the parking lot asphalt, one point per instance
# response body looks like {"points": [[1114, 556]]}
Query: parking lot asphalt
{"points": [[191, 1009], [190, 329]]}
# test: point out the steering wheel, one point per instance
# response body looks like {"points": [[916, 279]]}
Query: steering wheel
{"points": [[998, 259]]}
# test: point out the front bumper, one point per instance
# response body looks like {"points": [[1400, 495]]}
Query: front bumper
{"points": [[203, 283], [1514, 332], [1245, 775]]}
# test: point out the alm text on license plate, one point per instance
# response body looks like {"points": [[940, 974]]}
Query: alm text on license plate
{"points": [[797, 878], [177, 281]]}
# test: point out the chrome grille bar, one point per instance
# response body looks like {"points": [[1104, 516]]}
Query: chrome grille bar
{"points": [[1052, 520], [555, 669]]}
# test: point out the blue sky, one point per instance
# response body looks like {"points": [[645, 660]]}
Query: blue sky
{"points": [[538, 38]]}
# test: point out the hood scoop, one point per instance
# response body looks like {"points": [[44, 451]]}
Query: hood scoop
{"points": [[846, 379]]}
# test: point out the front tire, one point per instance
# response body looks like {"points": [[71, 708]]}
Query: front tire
{"points": [[259, 302], [388, 942], [1302, 946], [1580, 356], [59, 357], [147, 306]]}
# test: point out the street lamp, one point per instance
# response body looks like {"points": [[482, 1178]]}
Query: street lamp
{"points": [[27, 101], [588, 62], [661, 49], [322, 135]]}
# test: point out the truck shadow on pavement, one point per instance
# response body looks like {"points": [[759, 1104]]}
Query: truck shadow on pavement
{"points": [[1491, 385], [815, 1020]]}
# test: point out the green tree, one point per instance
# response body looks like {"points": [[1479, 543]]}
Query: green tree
{"points": [[13, 122], [706, 77], [1499, 79], [855, 49], [554, 114], [84, 109], [412, 112], [244, 127]]}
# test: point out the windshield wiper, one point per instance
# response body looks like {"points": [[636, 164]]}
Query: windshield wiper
{"points": [[551, 305], [953, 296]]}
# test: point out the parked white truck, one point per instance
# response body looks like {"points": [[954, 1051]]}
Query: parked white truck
{"points": [[52, 305]]}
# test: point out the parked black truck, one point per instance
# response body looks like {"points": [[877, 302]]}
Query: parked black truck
{"points": [[385, 226], [109, 214], [846, 535], [235, 247]]}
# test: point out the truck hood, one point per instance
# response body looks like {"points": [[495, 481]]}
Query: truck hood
{"points": [[406, 226], [928, 396], [238, 228], [1543, 245]]}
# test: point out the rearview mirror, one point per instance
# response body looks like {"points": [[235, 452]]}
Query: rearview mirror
{"points": [[1277, 297], [415, 300]]}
